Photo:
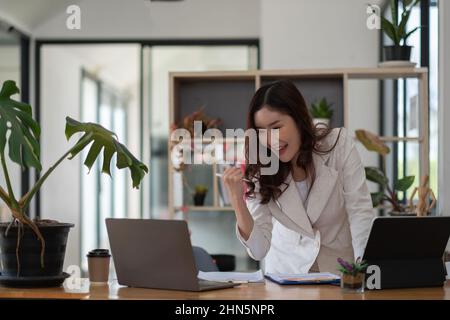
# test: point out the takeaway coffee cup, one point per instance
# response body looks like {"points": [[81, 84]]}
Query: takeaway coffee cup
{"points": [[98, 266]]}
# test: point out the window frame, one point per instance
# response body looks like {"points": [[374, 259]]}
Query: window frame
{"points": [[424, 62]]}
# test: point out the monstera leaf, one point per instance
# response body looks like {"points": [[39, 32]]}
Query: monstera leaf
{"points": [[16, 117], [103, 139]]}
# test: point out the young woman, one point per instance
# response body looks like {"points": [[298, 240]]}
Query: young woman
{"points": [[317, 207]]}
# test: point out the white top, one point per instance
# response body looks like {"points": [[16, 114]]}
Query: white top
{"points": [[302, 188]]}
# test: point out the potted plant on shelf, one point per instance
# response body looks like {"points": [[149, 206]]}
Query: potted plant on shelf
{"points": [[200, 194], [321, 112], [386, 193], [396, 31], [32, 251], [352, 275]]}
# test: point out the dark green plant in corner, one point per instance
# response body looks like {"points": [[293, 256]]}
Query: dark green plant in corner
{"points": [[21, 133], [396, 29], [322, 109], [373, 143]]}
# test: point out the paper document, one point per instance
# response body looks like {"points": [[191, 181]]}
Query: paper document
{"points": [[256, 276], [309, 278]]}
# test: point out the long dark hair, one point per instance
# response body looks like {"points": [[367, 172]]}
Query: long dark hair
{"points": [[283, 96]]}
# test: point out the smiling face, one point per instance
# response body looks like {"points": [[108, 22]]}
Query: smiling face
{"points": [[289, 136]]}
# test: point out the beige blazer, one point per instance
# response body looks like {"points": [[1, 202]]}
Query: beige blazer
{"points": [[335, 223]]}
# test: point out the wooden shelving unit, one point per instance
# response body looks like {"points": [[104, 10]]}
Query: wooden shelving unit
{"points": [[205, 208], [227, 94]]}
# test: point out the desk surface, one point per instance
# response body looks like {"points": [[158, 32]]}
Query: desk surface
{"points": [[256, 291]]}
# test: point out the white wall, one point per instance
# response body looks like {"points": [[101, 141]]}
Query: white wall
{"points": [[145, 19], [316, 34], [60, 195], [444, 108]]}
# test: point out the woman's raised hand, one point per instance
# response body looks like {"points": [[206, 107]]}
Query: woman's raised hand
{"points": [[233, 180]]}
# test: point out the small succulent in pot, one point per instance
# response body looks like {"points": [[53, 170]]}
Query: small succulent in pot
{"points": [[352, 275], [200, 194], [321, 112]]}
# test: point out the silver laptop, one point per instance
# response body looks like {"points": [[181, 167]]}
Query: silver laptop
{"points": [[155, 254]]}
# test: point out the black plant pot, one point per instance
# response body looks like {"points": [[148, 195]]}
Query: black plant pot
{"points": [[401, 53], [199, 199], [55, 236]]}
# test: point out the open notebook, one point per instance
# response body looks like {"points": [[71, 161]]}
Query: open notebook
{"points": [[310, 278]]}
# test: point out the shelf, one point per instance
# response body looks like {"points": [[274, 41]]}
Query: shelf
{"points": [[227, 94], [393, 139], [352, 73], [205, 208], [397, 139]]}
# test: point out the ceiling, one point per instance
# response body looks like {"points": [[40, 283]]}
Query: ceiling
{"points": [[32, 13]]}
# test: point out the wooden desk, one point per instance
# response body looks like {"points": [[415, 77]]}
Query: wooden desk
{"points": [[258, 291]]}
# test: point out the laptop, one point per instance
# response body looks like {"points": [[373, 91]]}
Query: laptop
{"points": [[408, 250], [156, 254]]}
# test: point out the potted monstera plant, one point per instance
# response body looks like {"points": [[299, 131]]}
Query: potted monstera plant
{"points": [[32, 251]]}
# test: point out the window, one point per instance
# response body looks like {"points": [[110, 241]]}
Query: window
{"points": [[162, 60], [102, 196], [403, 121]]}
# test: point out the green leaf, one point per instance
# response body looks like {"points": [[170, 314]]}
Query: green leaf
{"points": [[376, 175], [322, 109], [17, 118], [103, 139], [372, 142], [402, 26], [410, 33], [404, 184], [394, 12], [377, 198], [407, 8], [406, 3], [390, 30]]}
